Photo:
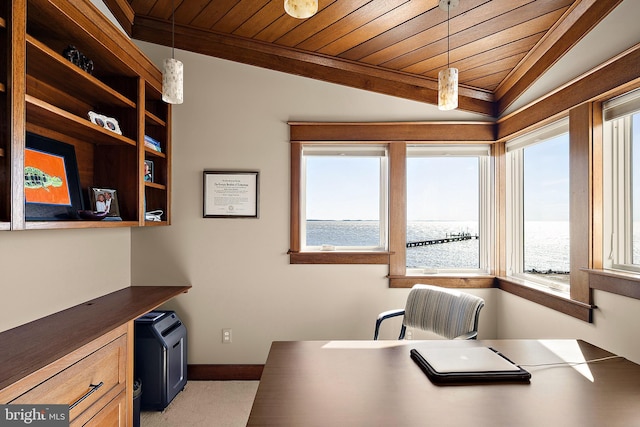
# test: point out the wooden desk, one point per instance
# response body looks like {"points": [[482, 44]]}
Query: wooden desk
{"points": [[375, 383]]}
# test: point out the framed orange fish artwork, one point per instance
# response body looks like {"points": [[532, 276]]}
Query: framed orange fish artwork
{"points": [[51, 182]]}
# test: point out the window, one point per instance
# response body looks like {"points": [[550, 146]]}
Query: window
{"points": [[538, 245], [448, 209], [622, 182], [344, 198]]}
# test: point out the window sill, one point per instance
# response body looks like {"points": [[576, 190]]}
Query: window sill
{"points": [[444, 280], [615, 281], [339, 257], [548, 298]]}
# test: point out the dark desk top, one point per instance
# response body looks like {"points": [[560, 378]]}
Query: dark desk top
{"points": [[375, 383], [29, 347]]}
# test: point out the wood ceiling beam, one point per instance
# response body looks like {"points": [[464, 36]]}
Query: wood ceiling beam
{"points": [[576, 23], [123, 12], [306, 64], [616, 76], [459, 133]]}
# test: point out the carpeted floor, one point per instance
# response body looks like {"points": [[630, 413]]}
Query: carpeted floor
{"points": [[206, 404]]}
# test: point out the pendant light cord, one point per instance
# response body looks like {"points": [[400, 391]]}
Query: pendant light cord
{"points": [[448, 32], [173, 29]]}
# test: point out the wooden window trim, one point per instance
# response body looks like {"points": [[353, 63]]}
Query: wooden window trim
{"points": [[446, 281], [615, 281], [586, 171], [395, 135], [546, 298], [332, 257]]}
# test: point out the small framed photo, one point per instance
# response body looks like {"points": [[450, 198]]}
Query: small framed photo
{"points": [[230, 194], [108, 123], [148, 171], [112, 124], [104, 200]]}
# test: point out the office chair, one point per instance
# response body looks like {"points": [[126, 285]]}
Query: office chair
{"points": [[447, 312]]}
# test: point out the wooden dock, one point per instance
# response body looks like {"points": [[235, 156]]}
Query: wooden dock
{"points": [[459, 237]]}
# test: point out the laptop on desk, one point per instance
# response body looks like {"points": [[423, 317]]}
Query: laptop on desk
{"points": [[455, 365]]}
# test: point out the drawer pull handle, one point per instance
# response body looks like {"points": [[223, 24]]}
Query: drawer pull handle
{"points": [[93, 387]]}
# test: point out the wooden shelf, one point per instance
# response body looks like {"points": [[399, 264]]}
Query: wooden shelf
{"points": [[153, 119], [59, 23], [155, 223], [47, 65], [30, 347], [155, 153], [59, 120], [155, 185], [48, 225]]}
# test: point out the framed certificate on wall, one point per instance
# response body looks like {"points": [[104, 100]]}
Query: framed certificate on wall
{"points": [[230, 194]]}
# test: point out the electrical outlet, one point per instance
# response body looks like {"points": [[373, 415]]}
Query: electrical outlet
{"points": [[226, 336], [408, 334]]}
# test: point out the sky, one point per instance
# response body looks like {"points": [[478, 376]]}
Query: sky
{"points": [[546, 180]]}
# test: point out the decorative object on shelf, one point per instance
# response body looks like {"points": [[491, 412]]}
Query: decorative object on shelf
{"points": [[51, 181], [230, 194], [148, 171], [173, 72], [152, 143], [155, 216], [448, 78], [108, 123], [301, 9], [92, 215], [77, 58], [104, 200]]}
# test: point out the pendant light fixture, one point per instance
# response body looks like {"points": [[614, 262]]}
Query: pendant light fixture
{"points": [[448, 78], [173, 71], [301, 8]]}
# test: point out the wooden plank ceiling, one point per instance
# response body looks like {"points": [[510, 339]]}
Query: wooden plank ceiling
{"points": [[394, 47]]}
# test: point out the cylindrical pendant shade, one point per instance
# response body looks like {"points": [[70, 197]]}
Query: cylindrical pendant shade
{"points": [[448, 89], [172, 81], [301, 8]]}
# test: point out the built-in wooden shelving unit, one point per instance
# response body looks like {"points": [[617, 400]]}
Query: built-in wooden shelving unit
{"points": [[51, 97]]}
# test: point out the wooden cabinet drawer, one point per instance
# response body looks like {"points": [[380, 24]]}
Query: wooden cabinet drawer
{"points": [[113, 414], [101, 373]]}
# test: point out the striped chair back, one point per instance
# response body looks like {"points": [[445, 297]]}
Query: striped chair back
{"points": [[446, 312]]}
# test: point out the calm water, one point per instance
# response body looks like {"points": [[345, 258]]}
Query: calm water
{"points": [[547, 242]]}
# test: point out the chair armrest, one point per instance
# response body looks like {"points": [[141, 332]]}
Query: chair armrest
{"points": [[386, 315], [468, 336], [390, 313]]}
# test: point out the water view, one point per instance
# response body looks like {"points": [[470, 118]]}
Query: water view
{"points": [[547, 242]]}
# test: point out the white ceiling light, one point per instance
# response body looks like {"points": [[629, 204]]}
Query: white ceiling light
{"points": [[301, 8], [448, 78], [173, 71]]}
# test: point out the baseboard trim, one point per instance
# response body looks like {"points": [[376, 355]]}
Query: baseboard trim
{"points": [[224, 372]]}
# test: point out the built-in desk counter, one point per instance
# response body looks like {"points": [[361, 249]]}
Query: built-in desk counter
{"points": [[81, 356]]}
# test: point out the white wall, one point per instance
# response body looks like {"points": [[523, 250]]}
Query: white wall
{"points": [[235, 117], [613, 328], [42, 272]]}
